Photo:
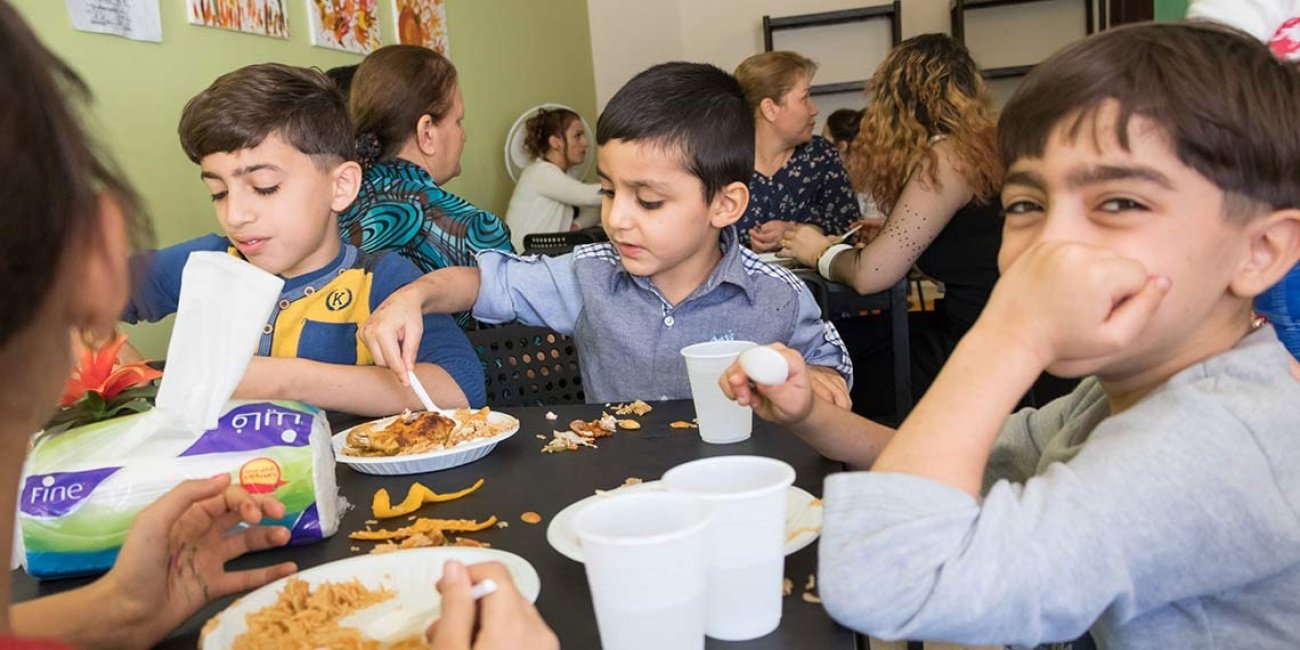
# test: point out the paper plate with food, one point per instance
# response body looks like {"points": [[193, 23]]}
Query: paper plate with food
{"points": [[803, 519], [371, 601], [427, 441]]}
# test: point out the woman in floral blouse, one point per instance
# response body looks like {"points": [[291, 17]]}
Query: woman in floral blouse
{"points": [[407, 109], [798, 177]]}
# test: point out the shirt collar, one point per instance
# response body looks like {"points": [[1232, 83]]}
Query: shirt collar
{"points": [[347, 255], [730, 270]]}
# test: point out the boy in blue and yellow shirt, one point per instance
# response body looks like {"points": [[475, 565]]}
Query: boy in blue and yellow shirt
{"points": [[275, 147]]}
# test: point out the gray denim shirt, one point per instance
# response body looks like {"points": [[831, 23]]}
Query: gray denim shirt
{"points": [[629, 337]]}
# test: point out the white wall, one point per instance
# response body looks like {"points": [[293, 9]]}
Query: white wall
{"points": [[629, 35]]}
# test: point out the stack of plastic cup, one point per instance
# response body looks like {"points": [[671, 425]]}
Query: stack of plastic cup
{"points": [[746, 539], [721, 420], [647, 564]]}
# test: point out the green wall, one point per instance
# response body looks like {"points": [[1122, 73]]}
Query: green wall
{"points": [[511, 55], [1167, 10]]}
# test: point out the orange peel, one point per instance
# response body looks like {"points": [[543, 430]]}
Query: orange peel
{"points": [[418, 495]]}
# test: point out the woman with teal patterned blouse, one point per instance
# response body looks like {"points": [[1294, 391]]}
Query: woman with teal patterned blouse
{"points": [[407, 109]]}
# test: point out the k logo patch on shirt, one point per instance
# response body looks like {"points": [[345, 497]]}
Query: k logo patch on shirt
{"points": [[338, 299]]}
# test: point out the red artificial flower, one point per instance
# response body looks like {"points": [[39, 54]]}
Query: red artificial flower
{"points": [[99, 372]]}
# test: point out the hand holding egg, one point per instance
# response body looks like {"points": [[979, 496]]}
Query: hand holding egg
{"points": [[765, 365]]}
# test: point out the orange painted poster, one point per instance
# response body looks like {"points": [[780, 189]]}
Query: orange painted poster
{"points": [[265, 17], [422, 22]]}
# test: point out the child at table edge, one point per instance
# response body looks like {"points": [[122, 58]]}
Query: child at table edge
{"points": [[1151, 195], [676, 147], [275, 148]]}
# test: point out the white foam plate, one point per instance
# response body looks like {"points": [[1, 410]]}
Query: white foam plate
{"points": [[431, 461], [803, 520], [411, 573]]}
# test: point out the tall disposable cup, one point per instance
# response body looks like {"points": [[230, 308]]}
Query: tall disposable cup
{"points": [[721, 420], [646, 557], [746, 539]]}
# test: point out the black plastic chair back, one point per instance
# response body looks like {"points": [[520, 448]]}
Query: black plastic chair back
{"points": [[528, 366]]}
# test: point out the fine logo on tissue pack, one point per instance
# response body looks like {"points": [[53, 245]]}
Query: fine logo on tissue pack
{"points": [[338, 299], [260, 476], [59, 493]]}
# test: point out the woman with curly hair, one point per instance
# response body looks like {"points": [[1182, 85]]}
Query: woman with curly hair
{"points": [[407, 109], [547, 198], [926, 153]]}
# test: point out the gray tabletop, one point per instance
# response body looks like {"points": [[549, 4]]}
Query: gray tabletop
{"points": [[520, 479]]}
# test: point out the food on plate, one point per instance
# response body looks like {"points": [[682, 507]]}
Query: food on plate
{"points": [[307, 617], [531, 517], [416, 496], [417, 433], [637, 408]]}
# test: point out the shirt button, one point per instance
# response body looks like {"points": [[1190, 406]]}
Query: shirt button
{"points": [[669, 321], [284, 304], [309, 291], [267, 329]]}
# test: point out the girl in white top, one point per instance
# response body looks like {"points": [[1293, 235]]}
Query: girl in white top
{"points": [[546, 198]]}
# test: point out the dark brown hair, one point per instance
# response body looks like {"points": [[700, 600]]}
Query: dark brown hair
{"points": [[546, 123], [770, 75], [392, 89], [242, 107], [1228, 108], [53, 175]]}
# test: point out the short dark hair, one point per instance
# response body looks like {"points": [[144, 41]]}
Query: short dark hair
{"points": [[1226, 105], [843, 125], [695, 108], [342, 77], [53, 176], [241, 108]]}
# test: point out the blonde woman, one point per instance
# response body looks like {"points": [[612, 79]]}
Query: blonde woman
{"points": [[798, 178]]}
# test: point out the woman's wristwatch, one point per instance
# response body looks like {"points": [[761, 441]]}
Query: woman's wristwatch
{"points": [[828, 257]]}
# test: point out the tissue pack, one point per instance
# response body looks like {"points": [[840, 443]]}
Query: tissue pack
{"points": [[81, 489]]}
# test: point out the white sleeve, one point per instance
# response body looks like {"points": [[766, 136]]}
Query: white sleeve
{"points": [[559, 186]]}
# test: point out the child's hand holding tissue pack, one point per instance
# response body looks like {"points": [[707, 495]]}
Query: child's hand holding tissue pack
{"points": [[81, 489]]}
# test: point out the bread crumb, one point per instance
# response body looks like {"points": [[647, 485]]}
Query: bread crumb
{"points": [[550, 415], [503, 524], [787, 587], [810, 597], [630, 425], [812, 582], [530, 517]]}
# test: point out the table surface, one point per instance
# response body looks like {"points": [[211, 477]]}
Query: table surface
{"points": [[520, 479]]}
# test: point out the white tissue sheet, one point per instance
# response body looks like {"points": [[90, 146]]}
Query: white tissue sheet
{"points": [[81, 489]]}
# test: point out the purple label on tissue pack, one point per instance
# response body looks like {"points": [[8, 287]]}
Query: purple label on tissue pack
{"points": [[57, 494], [255, 426]]}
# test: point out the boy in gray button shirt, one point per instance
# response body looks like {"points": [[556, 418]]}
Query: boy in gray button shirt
{"points": [[675, 150], [1153, 190]]}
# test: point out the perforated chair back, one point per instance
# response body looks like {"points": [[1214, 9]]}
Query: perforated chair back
{"points": [[528, 366], [555, 243]]}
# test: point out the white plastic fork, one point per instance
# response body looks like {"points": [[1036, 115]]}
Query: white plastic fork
{"points": [[420, 392]]}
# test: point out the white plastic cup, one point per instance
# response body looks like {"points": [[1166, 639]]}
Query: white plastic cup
{"points": [[721, 420], [646, 556], [746, 539]]}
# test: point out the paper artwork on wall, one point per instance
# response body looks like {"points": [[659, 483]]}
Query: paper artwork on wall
{"points": [[134, 19], [350, 25], [422, 22], [265, 17]]}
